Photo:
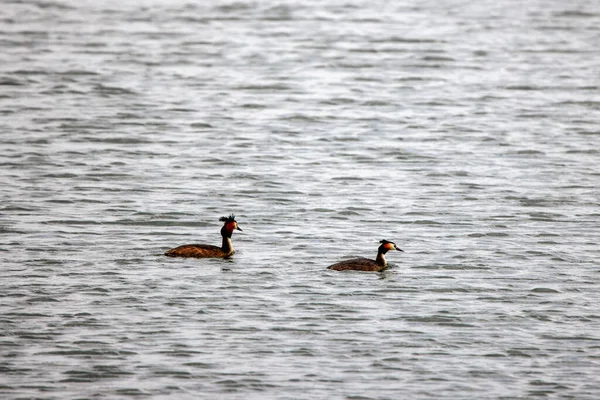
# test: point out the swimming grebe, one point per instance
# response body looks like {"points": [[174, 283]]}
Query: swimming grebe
{"points": [[366, 264], [206, 250]]}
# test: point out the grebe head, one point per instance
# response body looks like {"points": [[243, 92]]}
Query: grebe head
{"points": [[229, 226], [386, 245]]}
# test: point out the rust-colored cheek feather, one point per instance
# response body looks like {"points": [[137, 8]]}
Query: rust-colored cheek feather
{"points": [[197, 251]]}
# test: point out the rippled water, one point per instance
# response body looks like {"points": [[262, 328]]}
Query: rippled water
{"points": [[466, 132]]}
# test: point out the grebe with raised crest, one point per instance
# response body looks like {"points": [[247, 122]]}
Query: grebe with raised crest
{"points": [[207, 250], [366, 264]]}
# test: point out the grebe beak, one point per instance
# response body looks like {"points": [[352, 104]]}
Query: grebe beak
{"points": [[399, 249], [238, 228]]}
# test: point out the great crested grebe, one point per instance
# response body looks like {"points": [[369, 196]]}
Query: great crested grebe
{"points": [[366, 264], [207, 250]]}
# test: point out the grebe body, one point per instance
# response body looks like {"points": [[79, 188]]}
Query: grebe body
{"points": [[207, 250], [366, 264]]}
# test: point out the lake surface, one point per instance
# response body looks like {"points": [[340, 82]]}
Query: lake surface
{"points": [[466, 132]]}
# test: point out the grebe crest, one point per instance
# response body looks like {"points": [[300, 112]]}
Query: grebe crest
{"points": [[207, 250], [366, 264]]}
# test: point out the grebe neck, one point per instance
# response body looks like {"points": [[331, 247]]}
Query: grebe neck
{"points": [[380, 260], [227, 247]]}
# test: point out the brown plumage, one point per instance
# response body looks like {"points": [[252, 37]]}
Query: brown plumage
{"points": [[198, 251], [207, 250], [366, 264]]}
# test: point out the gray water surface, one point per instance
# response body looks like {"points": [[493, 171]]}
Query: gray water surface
{"points": [[466, 132]]}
